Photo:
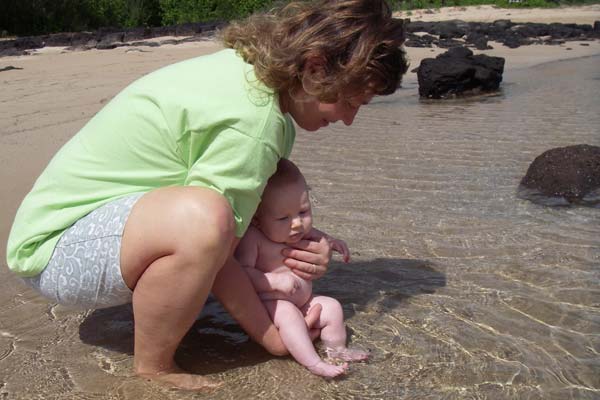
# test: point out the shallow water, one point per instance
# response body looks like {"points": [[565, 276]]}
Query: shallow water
{"points": [[458, 288]]}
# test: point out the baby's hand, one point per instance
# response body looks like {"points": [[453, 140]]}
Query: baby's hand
{"points": [[341, 247], [287, 284]]}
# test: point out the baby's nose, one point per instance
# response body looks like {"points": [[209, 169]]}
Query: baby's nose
{"points": [[296, 222]]}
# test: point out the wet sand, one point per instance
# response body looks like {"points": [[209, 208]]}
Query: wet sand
{"points": [[458, 288]]}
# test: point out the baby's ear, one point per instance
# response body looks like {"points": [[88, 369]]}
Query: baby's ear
{"points": [[254, 222]]}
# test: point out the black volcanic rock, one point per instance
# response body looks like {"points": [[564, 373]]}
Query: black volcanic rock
{"points": [[443, 34], [504, 31], [107, 38], [459, 72], [564, 175]]}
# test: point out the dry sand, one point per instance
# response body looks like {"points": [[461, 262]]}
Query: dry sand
{"points": [[484, 13], [54, 92]]}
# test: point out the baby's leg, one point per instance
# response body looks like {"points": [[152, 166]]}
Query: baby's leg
{"points": [[333, 330], [294, 334]]}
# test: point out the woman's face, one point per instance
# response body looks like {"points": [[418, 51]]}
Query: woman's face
{"points": [[311, 114]]}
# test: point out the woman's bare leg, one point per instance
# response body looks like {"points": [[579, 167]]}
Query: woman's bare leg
{"points": [[174, 243]]}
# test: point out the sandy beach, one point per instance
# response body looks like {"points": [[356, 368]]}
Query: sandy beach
{"points": [[486, 13], [51, 352]]}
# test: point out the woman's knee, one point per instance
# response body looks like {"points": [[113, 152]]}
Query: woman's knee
{"points": [[204, 215], [190, 222]]}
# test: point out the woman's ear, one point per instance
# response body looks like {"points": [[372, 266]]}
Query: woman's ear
{"points": [[314, 71], [315, 66]]}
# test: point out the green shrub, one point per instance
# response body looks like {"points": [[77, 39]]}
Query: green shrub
{"points": [[182, 11], [27, 17]]}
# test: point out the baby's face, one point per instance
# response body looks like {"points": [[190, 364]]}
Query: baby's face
{"points": [[285, 214]]}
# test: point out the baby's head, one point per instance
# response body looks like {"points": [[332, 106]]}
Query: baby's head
{"points": [[284, 214]]}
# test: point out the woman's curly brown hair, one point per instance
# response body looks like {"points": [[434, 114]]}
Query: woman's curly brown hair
{"points": [[358, 41]]}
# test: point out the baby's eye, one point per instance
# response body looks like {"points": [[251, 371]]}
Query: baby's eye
{"points": [[282, 218]]}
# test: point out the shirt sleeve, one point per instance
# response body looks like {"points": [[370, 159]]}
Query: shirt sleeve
{"points": [[237, 166]]}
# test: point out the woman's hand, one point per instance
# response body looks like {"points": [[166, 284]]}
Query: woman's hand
{"points": [[310, 256]]}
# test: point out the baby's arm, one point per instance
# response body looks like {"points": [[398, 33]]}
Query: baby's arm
{"points": [[247, 253], [336, 244]]}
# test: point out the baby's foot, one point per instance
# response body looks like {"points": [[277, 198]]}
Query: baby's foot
{"points": [[328, 370], [346, 354]]}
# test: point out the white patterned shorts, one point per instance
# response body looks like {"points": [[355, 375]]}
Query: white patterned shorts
{"points": [[84, 270]]}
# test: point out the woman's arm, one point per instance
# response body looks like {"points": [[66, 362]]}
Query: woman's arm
{"points": [[232, 287]]}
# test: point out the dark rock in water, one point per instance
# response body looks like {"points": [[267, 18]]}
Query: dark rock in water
{"points": [[459, 72], [597, 26], [563, 176]]}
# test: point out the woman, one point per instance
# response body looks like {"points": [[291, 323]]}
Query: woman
{"points": [[148, 201]]}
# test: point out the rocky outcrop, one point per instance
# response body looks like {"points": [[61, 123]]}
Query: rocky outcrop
{"points": [[109, 38], [476, 34], [445, 34], [564, 176], [458, 72]]}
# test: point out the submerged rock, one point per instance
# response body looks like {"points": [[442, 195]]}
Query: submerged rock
{"points": [[459, 72], [564, 176]]}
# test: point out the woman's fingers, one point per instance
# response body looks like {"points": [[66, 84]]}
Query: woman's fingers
{"points": [[308, 258]]}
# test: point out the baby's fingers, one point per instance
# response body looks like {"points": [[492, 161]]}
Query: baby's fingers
{"points": [[341, 247]]}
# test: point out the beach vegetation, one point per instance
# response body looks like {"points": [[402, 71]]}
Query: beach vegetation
{"points": [[183, 11], [32, 17]]}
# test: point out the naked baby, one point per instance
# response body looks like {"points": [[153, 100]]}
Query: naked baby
{"points": [[284, 217]]}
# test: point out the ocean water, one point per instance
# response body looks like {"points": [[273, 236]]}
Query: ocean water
{"points": [[458, 288]]}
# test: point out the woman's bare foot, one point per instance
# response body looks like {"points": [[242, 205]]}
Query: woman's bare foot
{"points": [[181, 379], [346, 354], [328, 370]]}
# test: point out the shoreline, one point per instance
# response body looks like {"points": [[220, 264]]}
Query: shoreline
{"points": [[487, 13]]}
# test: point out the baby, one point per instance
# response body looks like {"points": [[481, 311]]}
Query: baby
{"points": [[284, 217]]}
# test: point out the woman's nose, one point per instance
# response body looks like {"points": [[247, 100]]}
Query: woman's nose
{"points": [[349, 115]]}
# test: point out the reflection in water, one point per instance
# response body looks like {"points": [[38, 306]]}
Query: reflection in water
{"points": [[591, 199], [458, 288]]}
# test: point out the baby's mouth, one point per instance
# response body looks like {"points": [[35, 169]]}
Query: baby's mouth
{"points": [[296, 236]]}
